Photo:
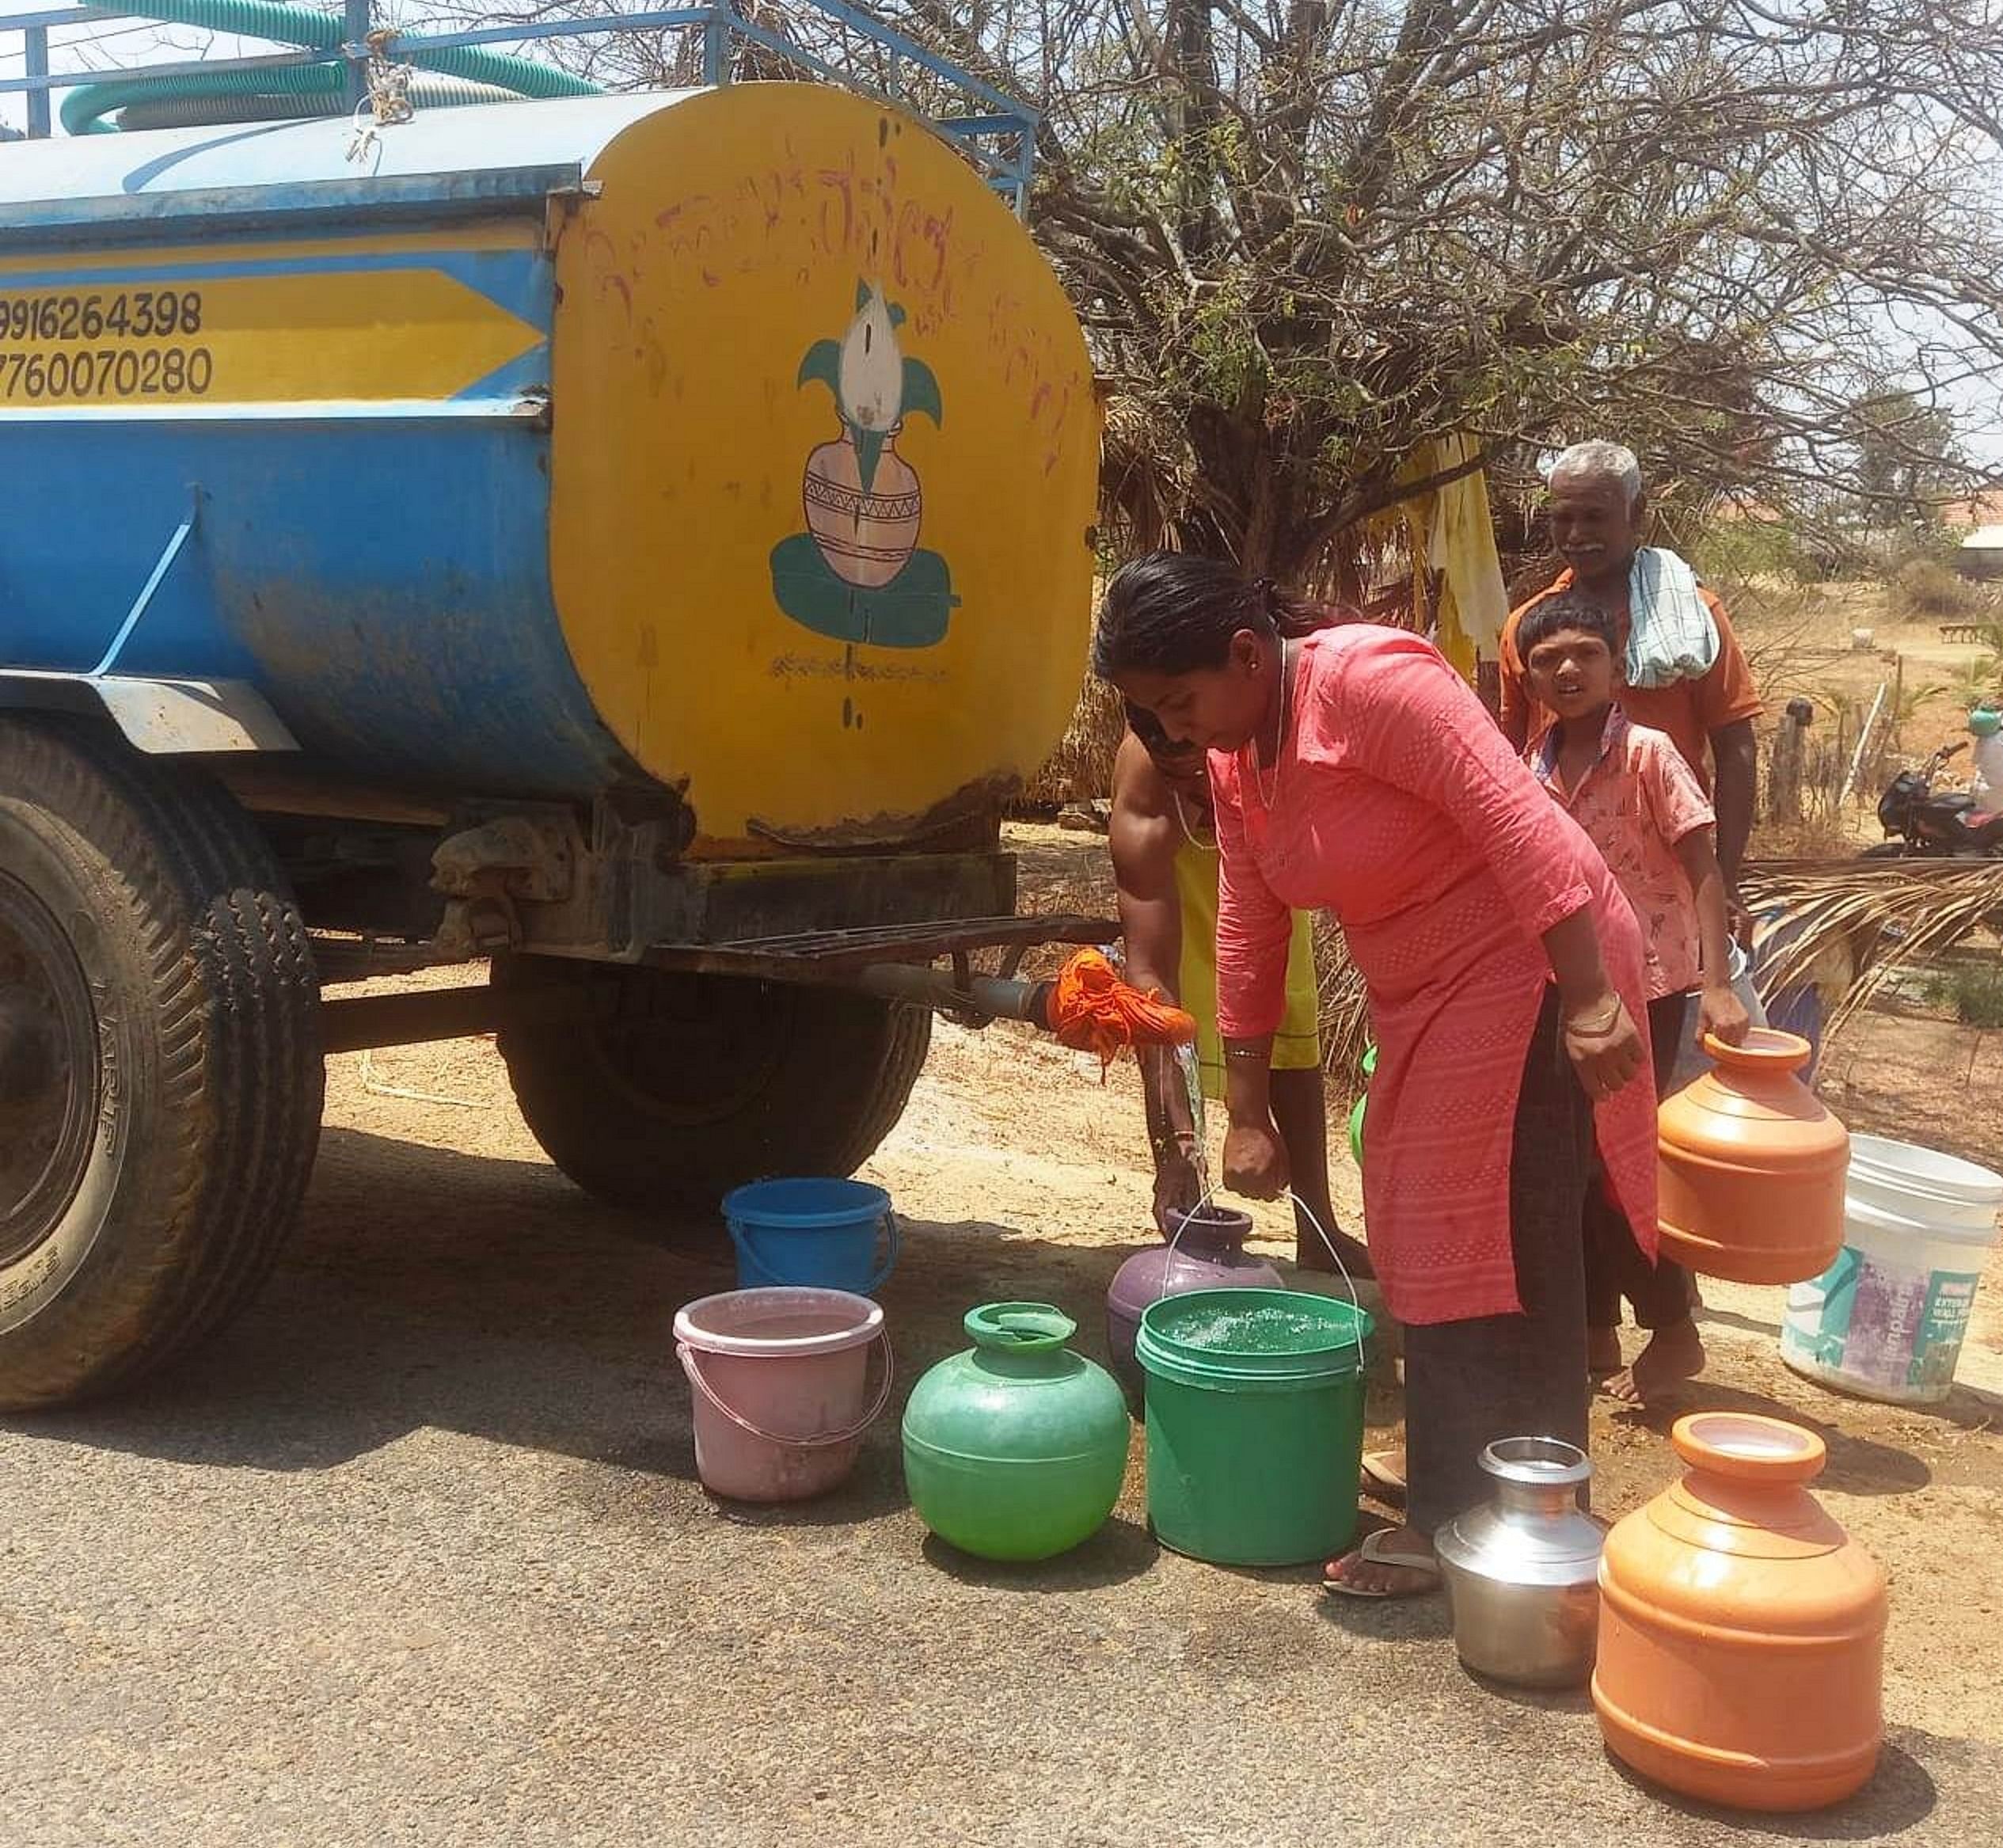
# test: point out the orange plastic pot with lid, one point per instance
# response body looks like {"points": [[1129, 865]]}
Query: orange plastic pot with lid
{"points": [[1752, 1166], [1742, 1631]]}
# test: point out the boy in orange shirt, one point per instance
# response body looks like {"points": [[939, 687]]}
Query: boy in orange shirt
{"points": [[1642, 806]]}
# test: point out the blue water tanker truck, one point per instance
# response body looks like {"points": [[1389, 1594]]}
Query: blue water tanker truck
{"points": [[636, 543]]}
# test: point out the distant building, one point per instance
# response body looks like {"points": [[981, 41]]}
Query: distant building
{"points": [[1974, 512], [1980, 553]]}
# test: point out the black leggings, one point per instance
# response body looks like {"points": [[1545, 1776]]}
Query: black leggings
{"points": [[1615, 1267], [1467, 1383]]}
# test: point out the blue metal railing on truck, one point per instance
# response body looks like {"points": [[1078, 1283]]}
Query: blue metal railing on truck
{"points": [[996, 131]]}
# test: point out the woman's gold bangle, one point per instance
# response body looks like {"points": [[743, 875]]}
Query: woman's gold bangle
{"points": [[1599, 1027]]}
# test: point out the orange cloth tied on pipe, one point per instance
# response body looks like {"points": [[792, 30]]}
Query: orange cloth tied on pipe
{"points": [[1092, 1010]]}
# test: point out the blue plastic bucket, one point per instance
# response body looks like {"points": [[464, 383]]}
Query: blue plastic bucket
{"points": [[823, 1235]]}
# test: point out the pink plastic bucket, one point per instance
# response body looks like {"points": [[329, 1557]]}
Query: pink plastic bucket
{"points": [[781, 1382]]}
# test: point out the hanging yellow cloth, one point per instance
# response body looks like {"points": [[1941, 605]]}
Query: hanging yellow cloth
{"points": [[1449, 530], [1461, 541]]}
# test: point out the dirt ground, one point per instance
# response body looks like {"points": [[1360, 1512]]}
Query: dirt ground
{"points": [[1021, 1173], [1020, 1166], [1807, 641], [414, 1551]]}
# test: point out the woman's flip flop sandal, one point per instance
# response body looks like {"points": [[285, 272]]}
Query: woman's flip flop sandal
{"points": [[1375, 1550], [1382, 1471]]}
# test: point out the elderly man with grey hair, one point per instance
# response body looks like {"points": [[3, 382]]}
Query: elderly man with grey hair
{"points": [[1678, 670], [1680, 667]]}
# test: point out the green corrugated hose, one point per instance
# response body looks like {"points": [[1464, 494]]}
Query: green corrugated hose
{"points": [[166, 112], [84, 108]]}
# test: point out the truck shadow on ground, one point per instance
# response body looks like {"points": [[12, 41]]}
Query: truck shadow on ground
{"points": [[429, 1288], [426, 1287]]}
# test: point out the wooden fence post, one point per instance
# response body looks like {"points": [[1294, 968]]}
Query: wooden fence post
{"points": [[1783, 775]]}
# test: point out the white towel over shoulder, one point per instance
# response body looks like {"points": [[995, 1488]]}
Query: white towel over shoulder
{"points": [[1670, 634]]}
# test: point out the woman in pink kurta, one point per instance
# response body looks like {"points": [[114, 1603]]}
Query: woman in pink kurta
{"points": [[1355, 772]]}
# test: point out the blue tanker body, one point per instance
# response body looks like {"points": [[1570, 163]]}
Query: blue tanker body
{"points": [[376, 569], [637, 542]]}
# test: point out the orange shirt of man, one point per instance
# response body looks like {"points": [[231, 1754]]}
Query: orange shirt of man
{"points": [[1690, 711]]}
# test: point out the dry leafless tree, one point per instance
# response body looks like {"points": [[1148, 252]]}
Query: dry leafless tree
{"points": [[1308, 236]]}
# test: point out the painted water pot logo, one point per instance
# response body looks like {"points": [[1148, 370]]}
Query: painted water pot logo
{"points": [[857, 574]]}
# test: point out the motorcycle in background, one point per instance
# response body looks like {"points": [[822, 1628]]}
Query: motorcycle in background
{"points": [[1924, 825]]}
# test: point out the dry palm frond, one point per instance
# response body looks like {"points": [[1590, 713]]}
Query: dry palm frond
{"points": [[1874, 914], [1861, 919], [1081, 770], [1344, 1012], [1147, 475]]}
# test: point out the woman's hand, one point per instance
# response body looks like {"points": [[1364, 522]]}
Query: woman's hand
{"points": [[1605, 1046], [1721, 1014], [1177, 1188], [1255, 1161]]}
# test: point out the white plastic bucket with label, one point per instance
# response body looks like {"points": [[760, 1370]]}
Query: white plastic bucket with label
{"points": [[1886, 1321]]}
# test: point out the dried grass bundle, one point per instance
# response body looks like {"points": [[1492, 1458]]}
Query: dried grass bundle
{"points": [[1081, 769], [1846, 925], [1865, 918], [1345, 1012], [1147, 475]]}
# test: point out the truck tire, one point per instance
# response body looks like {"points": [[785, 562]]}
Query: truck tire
{"points": [[685, 1086], [160, 1069]]}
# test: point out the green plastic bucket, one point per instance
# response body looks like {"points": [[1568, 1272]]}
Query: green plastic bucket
{"points": [[1254, 1423], [1362, 1103]]}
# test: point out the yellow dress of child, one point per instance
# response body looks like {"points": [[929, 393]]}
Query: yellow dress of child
{"points": [[1296, 1047]]}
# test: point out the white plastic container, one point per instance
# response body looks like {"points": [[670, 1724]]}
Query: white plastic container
{"points": [[1886, 1320], [1987, 785]]}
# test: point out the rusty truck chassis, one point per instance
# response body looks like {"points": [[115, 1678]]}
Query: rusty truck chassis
{"points": [[937, 930]]}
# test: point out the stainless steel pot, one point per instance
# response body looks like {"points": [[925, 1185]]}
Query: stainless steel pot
{"points": [[1522, 1571]]}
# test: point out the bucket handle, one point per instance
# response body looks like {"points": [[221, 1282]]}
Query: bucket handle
{"points": [[1169, 1269], [1349, 1283], [821, 1440], [754, 1266], [894, 1233], [748, 1251]]}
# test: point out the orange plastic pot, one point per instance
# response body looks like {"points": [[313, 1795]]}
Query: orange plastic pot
{"points": [[1752, 1167], [1742, 1632]]}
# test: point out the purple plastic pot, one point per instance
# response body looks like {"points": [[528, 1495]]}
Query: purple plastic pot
{"points": [[1207, 1253]]}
